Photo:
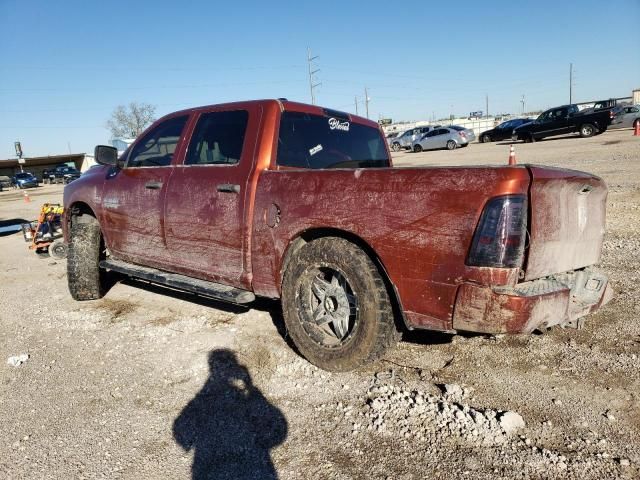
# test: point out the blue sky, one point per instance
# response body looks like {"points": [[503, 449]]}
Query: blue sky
{"points": [[66, 65]]}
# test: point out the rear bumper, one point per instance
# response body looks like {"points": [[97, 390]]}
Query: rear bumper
{"points": [[562, 299]]}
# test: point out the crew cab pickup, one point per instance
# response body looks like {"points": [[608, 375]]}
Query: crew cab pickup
{"points": [[62, 173], [279, 199], [564, 120]]}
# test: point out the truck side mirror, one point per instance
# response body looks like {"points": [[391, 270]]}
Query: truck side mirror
{"points": [[106, 155]]}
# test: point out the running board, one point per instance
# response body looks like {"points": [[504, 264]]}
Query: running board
{"points": [[181, 282]]}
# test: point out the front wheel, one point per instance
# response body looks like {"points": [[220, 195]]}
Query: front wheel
{"points": [[336, 306], [417, 148], [86, 248], [395, 147], [587, 130], [451, 145], [486, 139]]}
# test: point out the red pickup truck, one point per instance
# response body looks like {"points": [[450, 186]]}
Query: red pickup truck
{"points": [[284, 200]]}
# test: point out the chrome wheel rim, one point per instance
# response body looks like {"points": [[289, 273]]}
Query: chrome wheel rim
{"points": [[328, 307]]}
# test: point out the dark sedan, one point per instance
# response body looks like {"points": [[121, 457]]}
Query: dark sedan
{"points": [[503, 131]]}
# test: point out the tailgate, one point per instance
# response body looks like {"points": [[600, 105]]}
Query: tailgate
{"points": [[567, 221]]}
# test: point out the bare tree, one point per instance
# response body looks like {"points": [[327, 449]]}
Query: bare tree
{"points": [[129, 121]]}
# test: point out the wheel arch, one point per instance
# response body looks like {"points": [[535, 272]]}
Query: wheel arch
{"points": [[306, 236], [80, 212]]}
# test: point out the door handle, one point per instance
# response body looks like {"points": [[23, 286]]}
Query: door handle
{"points": [[153, 185], [228, 187]]}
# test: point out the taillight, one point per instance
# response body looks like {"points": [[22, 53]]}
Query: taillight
{"points": [[500, 236], [462, 134]]}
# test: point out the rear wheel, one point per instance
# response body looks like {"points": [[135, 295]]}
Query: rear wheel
{"points": [[85, 278], [451, 145], [417, 148], [587, 130], [336, 306]]}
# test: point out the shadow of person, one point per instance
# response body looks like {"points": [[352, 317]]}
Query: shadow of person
{"points": [[230, 425]]}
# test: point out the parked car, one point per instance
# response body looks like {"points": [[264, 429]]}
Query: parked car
{"points": [[626, 117], [449, 138], [62, 173], [391, 136], [503, 131], [420, 133], [403, 141], [25, 180], [408, 138], [5, 182], [231, 202], [468, 133], [561, 121]]}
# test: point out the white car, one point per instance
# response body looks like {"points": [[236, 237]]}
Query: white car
{"points": [[448, 138]]}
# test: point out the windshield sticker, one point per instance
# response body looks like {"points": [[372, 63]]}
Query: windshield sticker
{"points": [[314, 150], [335, 124]]}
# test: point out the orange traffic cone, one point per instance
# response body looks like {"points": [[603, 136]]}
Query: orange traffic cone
{"points": [[26, 197], [512, 156], [636, 129]]}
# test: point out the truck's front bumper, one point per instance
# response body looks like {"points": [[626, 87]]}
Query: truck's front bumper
{"points": [[562, 299]]}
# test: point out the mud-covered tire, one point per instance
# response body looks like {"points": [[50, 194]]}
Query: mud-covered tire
{"points": [[374, 329], [85, 278]]}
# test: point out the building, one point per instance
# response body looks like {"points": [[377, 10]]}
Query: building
{"points": [[36, 165], [121, 144]]}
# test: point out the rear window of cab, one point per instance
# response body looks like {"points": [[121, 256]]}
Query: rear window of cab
{"points": [[318, 142]]}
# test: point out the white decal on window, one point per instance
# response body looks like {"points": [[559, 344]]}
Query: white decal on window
{"points": [[315, 150], [335, 124]]}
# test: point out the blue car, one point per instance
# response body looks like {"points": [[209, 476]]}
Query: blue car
{"points": [[25, 180]]}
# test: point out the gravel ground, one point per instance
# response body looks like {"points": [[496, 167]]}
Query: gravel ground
{"points": [[152, 383]]}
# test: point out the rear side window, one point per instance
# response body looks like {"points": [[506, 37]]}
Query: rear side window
{"points": [[157, 147], [314, 141], [218, 138]]}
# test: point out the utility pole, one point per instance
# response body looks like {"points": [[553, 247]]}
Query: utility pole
{"points": [[522, 102], [486, 97], [366, 101], [570, 83], [312, 72], [355, 101]]}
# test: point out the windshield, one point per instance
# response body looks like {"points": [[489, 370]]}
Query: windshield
{"points": [[457, 127], [314, 141], [23, 175]]}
